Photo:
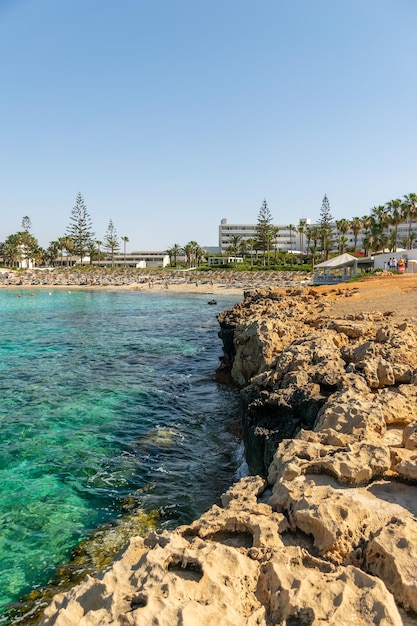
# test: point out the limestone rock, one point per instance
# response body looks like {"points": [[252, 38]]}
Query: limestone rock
{"points": [[330, 417], [257, 346], [392, 556], [354, 463], [300, 589], [352, 329], [405, 463], [410, 436], [397, 406], [351, 413]]}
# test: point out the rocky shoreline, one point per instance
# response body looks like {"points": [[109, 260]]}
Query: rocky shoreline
{"points": [[325, 530]]}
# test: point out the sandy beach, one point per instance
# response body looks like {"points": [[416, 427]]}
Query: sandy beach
{"points": [[395, 294], [213, 283], [392, 294]]}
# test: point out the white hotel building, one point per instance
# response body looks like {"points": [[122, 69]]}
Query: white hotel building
{"points": [[286, 239], [298, 242]]}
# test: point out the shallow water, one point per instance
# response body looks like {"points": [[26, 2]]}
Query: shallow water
{"points": [[108, 404]]}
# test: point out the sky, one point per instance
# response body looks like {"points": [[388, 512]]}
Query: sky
{"points": [[170, 115]]}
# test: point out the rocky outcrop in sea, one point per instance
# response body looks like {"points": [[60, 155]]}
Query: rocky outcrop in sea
{"points": [[324, 530]]}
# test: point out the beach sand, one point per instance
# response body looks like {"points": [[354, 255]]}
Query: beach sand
{"points": [[388, 293]]}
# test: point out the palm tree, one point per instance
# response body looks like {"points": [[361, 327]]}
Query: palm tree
{"points": [[176, 250], [383, 241], [381, 216], [410, 211], [251, 243], [356, 226], [367, 222], [404, 242], [243, 247], [291, 228], [92, 250], [198, 254], [41, 256], [326, 240], [234, 247], [125, 240], [302, 229], [275, 231], [374, 239], [308, 237], [396, 216], [189, 252], [99, 243], [313, 235], [392, 241], [61, 244], [342, 227], [313, 250], [52, 252], [168, 251], [66, 243], [343, 240], [10, 250]]}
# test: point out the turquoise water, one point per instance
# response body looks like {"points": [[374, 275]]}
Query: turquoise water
{"points": [[106, 397]]}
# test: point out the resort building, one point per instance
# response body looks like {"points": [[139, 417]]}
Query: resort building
{"points": [[297, 241], [142, 259], [286, 239]]}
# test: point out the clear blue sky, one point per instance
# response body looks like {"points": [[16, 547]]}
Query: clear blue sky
{"points": [[169, 115]]}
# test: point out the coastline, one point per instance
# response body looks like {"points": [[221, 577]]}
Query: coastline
{"points": [[217, 282], [385, 292], [216, 289], [335, 513]]}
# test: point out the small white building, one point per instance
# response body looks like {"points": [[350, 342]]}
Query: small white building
{"points": [[224, 260], [138, 259], [24, 262]]}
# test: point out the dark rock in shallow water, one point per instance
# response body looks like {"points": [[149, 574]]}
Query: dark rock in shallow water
{"points": [[270, 417]]}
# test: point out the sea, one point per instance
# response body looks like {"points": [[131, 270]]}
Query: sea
{"points": [[111, 422]]}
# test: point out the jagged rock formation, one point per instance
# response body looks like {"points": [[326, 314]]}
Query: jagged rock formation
{"points": [[328, 535]]}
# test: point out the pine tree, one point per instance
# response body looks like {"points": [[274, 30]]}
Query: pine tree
{"points": [[264, 228], [26, 224], [326, 217], [80, 228], [325, 226], [111, 241]]}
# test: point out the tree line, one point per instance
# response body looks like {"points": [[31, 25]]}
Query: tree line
{"points": [[193, 252], [78, 241], [379, 229]]}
